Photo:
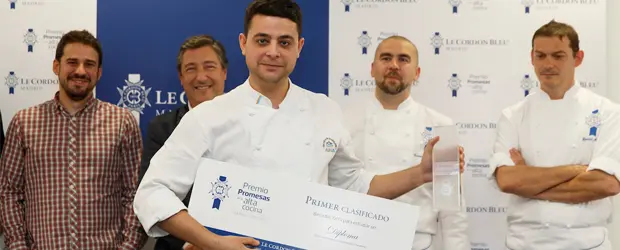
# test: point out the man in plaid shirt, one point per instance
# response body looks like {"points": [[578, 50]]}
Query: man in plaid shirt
{"points": [[1, 133], [69, 168]]}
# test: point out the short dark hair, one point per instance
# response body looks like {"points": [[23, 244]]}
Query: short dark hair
{"points": [[78, 36], [199, 41], [561, 30], [277, 8]]}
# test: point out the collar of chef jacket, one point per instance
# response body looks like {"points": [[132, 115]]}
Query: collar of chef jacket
{"points": [[294, 98], [571, 94], [375, 105]]}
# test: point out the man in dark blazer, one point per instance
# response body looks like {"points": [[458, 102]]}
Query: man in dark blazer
{"points": [[202, 66]]}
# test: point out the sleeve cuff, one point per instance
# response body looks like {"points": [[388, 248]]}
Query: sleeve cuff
{"points": [[497, 160], [156, 207], [364, 181], [607, 165]]}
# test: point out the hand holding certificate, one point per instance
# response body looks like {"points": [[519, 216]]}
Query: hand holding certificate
{"points": [[285, 212]]}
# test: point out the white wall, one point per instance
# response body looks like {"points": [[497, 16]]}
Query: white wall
{"points": [[613, 91]]}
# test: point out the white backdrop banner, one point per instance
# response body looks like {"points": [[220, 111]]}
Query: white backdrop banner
{"points": [[475, 61], [30, 32]]}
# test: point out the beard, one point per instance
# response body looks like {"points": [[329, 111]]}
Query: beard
{"points": [[392, 89], [77, 93]]}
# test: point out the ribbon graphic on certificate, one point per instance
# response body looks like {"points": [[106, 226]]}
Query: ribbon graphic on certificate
{"points": [[219, 191]]}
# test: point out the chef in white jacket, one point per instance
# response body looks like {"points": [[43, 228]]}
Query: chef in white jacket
{"points": [[557, 153], [267, 122], [389, 132]]}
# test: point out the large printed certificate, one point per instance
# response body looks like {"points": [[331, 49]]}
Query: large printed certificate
{"points": [[284, 212]]}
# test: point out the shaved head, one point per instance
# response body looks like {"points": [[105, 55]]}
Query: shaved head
{"points": [[395, 66], [398, 38]]}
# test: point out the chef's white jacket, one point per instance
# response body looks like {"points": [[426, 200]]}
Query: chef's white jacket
{"points": [[553, 133], [241, 127], [392, 140]]}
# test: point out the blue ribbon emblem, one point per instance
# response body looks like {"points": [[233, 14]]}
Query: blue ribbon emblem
{"points": [[30, 36], [594, 124], [219, 191]]}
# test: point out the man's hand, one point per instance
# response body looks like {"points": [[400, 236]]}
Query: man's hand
{"points": [[461, 159], [427, 160], [227, 243], [516, 157]]}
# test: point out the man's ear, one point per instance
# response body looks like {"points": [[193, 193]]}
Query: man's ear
{"points": [[242, 41], [300, 46], [579, 58], [99, 73], [56, 67]]}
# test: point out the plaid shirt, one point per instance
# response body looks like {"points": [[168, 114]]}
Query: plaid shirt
{"points": [[68, 182]]}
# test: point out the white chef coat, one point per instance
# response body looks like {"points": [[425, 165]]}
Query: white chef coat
{"points": [[241, 127], [555, 133], [392, 140]]}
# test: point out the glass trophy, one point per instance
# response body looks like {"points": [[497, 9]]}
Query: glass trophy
{"points": [[446, 173]]}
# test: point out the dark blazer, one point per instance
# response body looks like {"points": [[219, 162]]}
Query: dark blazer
{"points": [[160, 128], [1, 135]]}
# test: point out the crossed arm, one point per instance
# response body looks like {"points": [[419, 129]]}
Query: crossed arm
{"points": [[567, 184]]}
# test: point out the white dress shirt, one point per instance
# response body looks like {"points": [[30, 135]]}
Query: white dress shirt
{"points": [[241, 127], [392, 140], [553, 133]]}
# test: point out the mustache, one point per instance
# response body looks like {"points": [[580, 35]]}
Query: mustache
{"points": [[79, 77], [393, 74]]}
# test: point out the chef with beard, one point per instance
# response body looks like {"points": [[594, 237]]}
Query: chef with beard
{"points": [[389, 133]]}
